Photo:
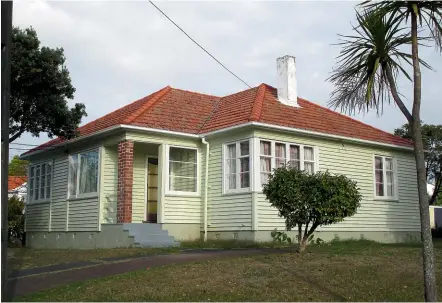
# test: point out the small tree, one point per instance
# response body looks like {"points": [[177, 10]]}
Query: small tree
{"points": [[307, 200], [16, 219], [18, 167]]}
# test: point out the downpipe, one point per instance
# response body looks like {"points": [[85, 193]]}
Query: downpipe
{"points": [[206, 183]]}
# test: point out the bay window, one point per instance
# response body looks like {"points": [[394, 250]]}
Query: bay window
{"points": [[83, 174], [384, 171], [277, 154], [40, 181], [182, 170], [237, 166]]}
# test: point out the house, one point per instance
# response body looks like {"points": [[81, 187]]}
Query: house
{"points": [[17, 187], [191, 165]]}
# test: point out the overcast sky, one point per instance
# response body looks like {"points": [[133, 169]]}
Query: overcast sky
{"points": [[118, 52]]}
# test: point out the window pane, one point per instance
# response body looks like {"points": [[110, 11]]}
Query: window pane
{"points": [[388, 164], [264, 178], [309, 167], [265, 164], [280, 150], [182, 154], [390, 190], [231, 166], [231, 151], [48, 179], [244, 164], [42, 183], [294, 164], [182, 184], [31, 182], [294, 152], [244, 147], [182, 169], [37, 182], [265, 148], [231, 181], [389, 175], [308, 153], [378, 162], [88, 172], [379, 176], [379, 189], [245, 180], [73, 166]]}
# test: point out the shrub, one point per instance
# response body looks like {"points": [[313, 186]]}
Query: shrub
{"points": [[307, 200], [16, 219]]}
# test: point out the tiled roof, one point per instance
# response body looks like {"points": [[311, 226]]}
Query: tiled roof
{"points": [[194, 113], [16, 181]]}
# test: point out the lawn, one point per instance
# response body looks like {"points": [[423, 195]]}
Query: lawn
{"points": [[346, 271]]}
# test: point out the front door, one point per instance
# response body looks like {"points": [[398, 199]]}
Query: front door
{"points": [[152, 190]]}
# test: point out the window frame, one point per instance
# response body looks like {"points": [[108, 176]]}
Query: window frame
{"points": [[84, 195], [46, 199], [287, 153], [238, 157], [385, 197], [169, 192]]}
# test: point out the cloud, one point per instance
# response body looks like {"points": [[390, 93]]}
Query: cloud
{"points": [[118, 52]]}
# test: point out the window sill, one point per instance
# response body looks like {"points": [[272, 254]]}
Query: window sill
{"points": [[83, 197], [182, 194], [387, 199], [38, 202]]}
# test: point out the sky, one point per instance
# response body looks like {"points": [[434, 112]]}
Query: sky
{"points": [[117, 52]]}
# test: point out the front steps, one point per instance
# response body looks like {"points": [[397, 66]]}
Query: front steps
{"points": [[149, 235]]}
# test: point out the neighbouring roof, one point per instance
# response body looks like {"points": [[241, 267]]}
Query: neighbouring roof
{"points": [[194, 113], [16, 181]]}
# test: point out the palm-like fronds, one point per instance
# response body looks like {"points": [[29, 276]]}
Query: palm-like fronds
{"points": [[428, 12], [368, 62]]}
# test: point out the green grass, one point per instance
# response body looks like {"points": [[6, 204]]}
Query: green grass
{"points": [[344, 271]]}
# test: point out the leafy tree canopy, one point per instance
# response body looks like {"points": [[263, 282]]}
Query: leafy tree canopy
{"points": [[40, 87], [307, 200], [432, 139], [18, 167]]}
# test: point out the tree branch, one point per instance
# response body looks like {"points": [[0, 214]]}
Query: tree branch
{"points": [[18, 134], [396, 97]]}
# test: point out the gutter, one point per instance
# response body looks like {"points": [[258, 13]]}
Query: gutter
{"points": [[206, 183]]}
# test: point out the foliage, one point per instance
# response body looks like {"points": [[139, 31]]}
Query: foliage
{"points": [[16, 219], [18, 167], [280, 236], [311, 200], [432, 139], [40, 87]]}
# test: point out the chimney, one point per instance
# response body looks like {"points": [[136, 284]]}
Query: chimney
{"points": [[287, 86]]}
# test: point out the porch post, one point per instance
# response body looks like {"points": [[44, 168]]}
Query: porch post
{"points": [[125, 181]]}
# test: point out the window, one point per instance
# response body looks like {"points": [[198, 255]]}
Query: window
{"points": [[40, 178], [237, 166], [384, 177], [277, 154], [83, 174], [182, 170]]}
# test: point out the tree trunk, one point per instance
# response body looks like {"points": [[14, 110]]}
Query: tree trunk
{"points": [[302, 245], [416, 133]]}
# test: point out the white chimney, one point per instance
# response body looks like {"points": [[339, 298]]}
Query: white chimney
{"points": [[287, 86]]}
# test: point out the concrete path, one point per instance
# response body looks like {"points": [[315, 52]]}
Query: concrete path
{"points": [[33, 280]]}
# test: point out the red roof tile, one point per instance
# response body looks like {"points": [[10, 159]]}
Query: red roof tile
{"points": [[194, 113], [16, 181]]}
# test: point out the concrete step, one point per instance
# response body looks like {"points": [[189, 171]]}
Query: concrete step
{"points": [[157, 244], [149, 235]]}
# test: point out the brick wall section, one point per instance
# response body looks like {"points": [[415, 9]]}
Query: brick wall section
{"points": [[125, 181]]}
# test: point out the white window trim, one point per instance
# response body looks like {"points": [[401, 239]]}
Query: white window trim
{"points": [[30, 199], [238, 189], [169, 192], [257, 167], [86, 195], [395, 196]]}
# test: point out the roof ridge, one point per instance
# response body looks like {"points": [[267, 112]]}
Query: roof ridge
{"points": [[255, 114], [196, 93], [149, 103]]}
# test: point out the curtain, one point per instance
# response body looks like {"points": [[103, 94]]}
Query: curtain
{"points": [[88, 172], [73, 167], [265, 148], [294, 156], [48, 181], [231, 166], [245, 172], [280, 156], [182, 169]]}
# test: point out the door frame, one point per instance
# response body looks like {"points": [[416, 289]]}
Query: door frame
{"points": [[146, 162]]}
